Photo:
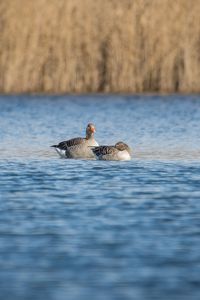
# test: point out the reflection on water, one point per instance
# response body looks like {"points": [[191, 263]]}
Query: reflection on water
{"points": [[76, 229]]}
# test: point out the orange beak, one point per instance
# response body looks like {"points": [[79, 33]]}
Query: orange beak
{"points": [[93, 129]]}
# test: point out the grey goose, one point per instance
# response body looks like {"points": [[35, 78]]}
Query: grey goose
{"points": [[120, 151], [78, 147]]}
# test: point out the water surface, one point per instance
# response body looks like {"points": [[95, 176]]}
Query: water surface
{"points": [[77, 229]]}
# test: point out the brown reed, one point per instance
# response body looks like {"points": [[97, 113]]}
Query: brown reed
{"points": [[81, 46]]}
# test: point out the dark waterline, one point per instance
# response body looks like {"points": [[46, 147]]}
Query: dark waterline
{"points": [[76, 229]]}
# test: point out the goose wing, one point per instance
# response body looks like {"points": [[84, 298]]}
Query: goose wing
{"points": [[70, 143], [103, 150]]}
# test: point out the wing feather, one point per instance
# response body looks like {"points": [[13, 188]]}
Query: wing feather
{"points": [[103, 150], [71, 143]]}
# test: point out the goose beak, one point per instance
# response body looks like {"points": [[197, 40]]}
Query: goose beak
{"points": [[93, 130]]}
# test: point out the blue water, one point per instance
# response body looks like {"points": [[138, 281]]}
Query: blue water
{"points": [[77, 229]]}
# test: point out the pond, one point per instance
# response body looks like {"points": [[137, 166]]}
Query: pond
{"points": [[88, 229]]}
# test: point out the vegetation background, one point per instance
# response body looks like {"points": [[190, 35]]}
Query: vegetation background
{"points": [[81, 46]]}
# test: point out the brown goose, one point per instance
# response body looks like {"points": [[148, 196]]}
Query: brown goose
{"points": [[120, 151], [78, 147]]}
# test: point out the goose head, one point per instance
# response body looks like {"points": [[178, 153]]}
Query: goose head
{"points": [[90, 130], [121, 146]]}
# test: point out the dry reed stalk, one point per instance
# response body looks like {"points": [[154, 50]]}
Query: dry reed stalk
{"points": [[67, 46]]}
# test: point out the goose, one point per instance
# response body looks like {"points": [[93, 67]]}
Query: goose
{"points": [[78, 147], [120, 151]]}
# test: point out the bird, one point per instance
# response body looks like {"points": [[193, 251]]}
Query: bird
{"points": [[78, 147], [120, 151]]}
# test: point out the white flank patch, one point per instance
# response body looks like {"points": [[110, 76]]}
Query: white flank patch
{"points": [[61, 152], [124, 155]]}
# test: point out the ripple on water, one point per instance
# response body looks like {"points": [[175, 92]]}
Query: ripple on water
{"points": [[116, 230]]}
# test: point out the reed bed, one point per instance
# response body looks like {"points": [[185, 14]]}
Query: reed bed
{"points": [[82, 46]]}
